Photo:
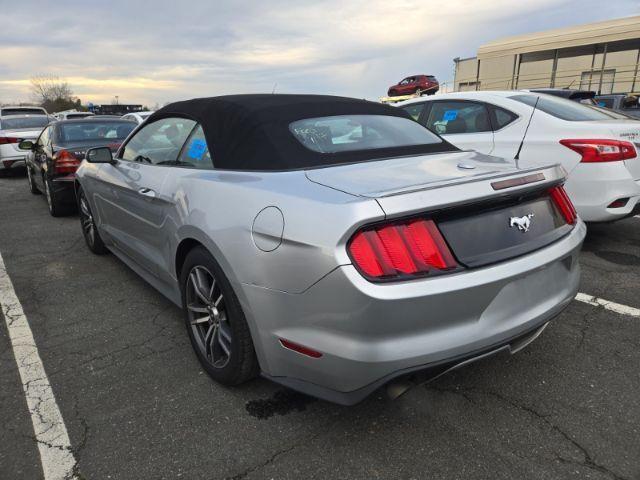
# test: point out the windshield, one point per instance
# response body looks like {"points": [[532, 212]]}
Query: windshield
{"points": [[347, 133], [24, 122], [94, 130], [566, 109]]}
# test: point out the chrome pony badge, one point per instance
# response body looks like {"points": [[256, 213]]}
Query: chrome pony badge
{"points": [[523, 223]]}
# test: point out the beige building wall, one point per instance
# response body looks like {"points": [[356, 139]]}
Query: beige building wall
{"points": [[496, 73], [466, 72], [571, 57]]}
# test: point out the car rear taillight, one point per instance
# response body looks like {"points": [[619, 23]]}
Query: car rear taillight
{"points": [[65, 162], [7, 140], [601, 150], [564, 204], [412, 248]]}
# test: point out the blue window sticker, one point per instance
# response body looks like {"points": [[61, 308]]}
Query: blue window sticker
{"points": [[197, 148], [450, 115]]}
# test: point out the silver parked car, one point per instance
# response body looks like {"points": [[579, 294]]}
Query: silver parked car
{"points": [[334, 245]]}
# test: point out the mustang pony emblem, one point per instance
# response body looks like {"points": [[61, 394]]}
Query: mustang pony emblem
{"points": [[523, 223]]}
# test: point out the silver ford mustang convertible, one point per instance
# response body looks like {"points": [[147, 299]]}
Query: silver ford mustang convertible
{"points": [[330, 244]]}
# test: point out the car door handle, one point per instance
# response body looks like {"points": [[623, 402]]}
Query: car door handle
{"points": [[147, 192]]}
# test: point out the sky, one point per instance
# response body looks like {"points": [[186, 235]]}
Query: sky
{"points": [[154, 52]]}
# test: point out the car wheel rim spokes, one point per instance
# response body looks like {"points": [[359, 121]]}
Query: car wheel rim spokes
{"points": [[86, 219], [206, 308]]}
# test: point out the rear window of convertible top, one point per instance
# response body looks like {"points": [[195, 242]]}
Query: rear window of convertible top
{"points": [[350, 133]]}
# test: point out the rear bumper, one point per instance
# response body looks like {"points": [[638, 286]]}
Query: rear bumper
{"points": [[9, 162], [371, 333], [593, 187]]}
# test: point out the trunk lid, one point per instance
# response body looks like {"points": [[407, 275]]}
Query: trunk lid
{"points": [[79, 148], [21, 134], [385, 178], [488, 209]]}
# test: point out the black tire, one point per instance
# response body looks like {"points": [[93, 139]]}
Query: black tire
{"points": [[89, 230], [33, 188], [393, 93], [236, 360], [56, 207]]}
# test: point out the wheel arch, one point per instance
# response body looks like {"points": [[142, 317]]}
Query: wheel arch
{"points": [[192, 237]]}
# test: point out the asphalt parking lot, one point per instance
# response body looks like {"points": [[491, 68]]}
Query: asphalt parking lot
{"points": [[137, 405]]}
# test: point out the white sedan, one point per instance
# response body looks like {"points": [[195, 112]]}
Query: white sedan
{"points": [[137, 117], [14, 129], [597, 147]]}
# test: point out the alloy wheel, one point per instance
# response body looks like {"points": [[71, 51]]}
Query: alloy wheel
{"points": [[86, 220], [208, 316]]}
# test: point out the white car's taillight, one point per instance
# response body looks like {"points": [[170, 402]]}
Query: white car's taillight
{"points": [[601, 150]]}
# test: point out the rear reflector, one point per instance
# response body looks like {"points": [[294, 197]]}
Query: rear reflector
{"points": [[601, 150], [299, 348], [620, 203], [8, 163], [7, 140], [515, 182], [564, 204], [65, 162], [415, 247]]}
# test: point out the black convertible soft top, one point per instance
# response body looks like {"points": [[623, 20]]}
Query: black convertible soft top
{"points": [[251, 132]]}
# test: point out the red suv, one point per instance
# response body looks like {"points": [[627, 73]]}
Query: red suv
{"points": [[424, 83]]}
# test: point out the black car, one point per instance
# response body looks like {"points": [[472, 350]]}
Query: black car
{"points": [[58, 151], [580, 96]]}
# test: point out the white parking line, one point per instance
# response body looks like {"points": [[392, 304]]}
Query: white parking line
{"points": [[58, 462], [607, 305]]}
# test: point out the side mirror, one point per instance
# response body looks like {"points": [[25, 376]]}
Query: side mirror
{"points": [[99, 155], [26, 145]]}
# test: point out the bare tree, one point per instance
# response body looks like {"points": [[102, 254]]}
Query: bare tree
{"points": [[53, 93]]}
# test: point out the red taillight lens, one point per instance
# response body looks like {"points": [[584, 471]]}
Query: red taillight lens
{"points": [[563, 202], [601, 150], [7, 140], [415, 247], [65, 162]]}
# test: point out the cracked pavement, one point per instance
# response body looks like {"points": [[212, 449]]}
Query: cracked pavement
{"points": [[137, 405]]}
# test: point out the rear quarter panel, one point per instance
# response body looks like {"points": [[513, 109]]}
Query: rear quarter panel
{"points": [[218, 209]]}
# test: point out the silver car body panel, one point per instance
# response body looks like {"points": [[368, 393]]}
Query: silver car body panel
{"points": [[294, 278]]}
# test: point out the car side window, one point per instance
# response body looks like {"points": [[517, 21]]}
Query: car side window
{"points": [[158, 143], [195, 152], [456, 117], [414, 109], [502, 117]]}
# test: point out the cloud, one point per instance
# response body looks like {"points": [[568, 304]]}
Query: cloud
{"points": [[157, 51]]}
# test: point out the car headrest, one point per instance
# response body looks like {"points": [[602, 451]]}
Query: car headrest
{"points": [[456, 126], [482, 122]]}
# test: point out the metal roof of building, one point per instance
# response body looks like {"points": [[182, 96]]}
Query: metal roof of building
{"points": [[626, 28]]}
